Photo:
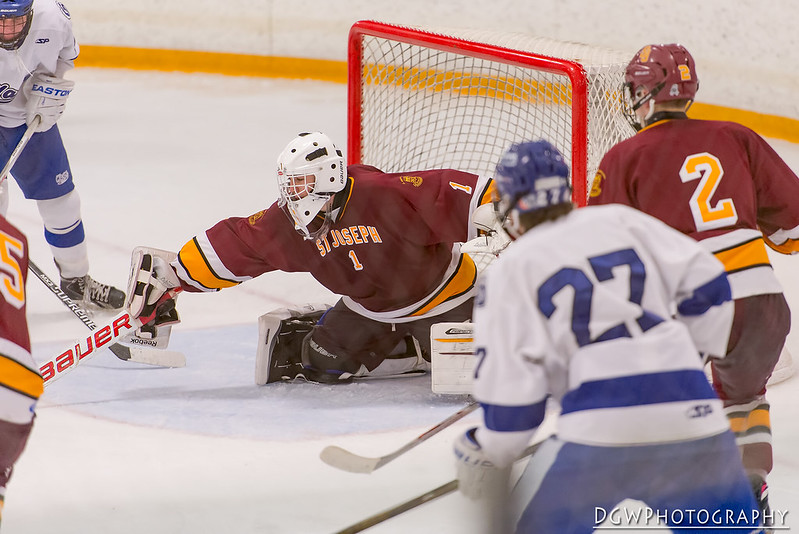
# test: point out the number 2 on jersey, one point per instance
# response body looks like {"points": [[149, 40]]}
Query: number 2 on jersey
{"points": [[584, 293], [706, 168]]}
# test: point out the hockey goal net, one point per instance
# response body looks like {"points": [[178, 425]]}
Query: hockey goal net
{"points": [[448, 98]]}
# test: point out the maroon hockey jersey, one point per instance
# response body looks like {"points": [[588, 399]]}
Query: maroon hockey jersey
{"points": [[716, 181], [20, 382], [392, 251]]}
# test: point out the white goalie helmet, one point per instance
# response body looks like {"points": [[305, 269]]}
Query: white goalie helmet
{"points": [[310, 170]]}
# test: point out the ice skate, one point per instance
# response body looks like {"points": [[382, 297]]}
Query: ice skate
{"points": [[90, 292]]}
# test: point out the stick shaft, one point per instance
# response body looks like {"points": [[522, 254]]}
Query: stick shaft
{"points": [[429, 433], [354, 463], [20, 147], [440, 491], [79, 312], [85, 349], [162, 358]]}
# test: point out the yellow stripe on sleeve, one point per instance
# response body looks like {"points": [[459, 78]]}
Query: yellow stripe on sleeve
{"points": [[750, 254], [490, 194], [17, 377], [195, 263], [791, 246], [461, 281]]}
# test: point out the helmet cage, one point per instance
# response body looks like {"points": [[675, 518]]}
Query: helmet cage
{"points": [[310, 172], [16, 17], [298, 200]]}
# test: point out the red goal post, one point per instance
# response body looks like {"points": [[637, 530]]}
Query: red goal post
{"points": [[453, 98]]}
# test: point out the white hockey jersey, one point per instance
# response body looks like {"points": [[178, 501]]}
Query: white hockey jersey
{"points": [[605, 310], [50, 47]]}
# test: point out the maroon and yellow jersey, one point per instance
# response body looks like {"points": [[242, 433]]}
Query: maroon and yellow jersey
{"points": [[392, 251], [20, 382], [716, 181]]}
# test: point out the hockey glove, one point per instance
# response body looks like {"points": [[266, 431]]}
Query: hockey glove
{"points": [[47, 98], [151, 278], [492, 238], [487, 244], [477, 476]]}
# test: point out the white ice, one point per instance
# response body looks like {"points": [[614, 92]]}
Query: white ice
{"points": [[125, 448]]}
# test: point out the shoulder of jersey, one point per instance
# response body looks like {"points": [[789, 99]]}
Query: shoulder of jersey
{"points": [[46, 12]]}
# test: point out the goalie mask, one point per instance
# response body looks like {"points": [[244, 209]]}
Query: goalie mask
{"points": [[531, 176], [310, 171], [659, 73], [15, 22]]}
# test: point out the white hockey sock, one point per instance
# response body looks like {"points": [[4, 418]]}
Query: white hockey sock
{"points": [[61, 217]]}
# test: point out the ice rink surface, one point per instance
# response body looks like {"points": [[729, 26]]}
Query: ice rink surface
{"points": [[124, 448]]}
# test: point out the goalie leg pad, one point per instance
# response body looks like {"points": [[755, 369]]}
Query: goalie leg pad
{"points": [[397, 366], [324, 367], [452, 359], [321, 365], [280, 337]]}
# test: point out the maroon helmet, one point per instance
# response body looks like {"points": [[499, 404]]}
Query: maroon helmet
{"points": [[666, 71]]}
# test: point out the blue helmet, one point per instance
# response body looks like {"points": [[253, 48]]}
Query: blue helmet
{"points": [[16, 15], [15, 8], [531, 176]]}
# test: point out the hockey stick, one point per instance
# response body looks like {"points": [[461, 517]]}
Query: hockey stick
{"points": [[369, 522], [348, 461], [85, 349], [162, 358], [440, 491], [20, 147]]}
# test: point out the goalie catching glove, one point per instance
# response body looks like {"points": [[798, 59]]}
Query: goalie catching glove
{"points": [[47, 98], [149, 285], [492, 239]]}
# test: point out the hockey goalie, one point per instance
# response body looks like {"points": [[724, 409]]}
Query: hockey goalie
{"points": [[388, 243]]}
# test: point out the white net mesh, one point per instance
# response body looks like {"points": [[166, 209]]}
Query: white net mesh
{"points": [[432, 105]]}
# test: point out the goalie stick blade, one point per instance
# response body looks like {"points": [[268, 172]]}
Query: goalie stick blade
{"points": [[157, 357], [347, 461]]}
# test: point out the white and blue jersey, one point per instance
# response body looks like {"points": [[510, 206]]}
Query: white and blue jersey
{"points": [[606, 310], [42, 171], [49, 47]]}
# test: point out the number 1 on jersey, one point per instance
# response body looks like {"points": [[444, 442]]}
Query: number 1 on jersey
{"points": [[356, 264]]}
